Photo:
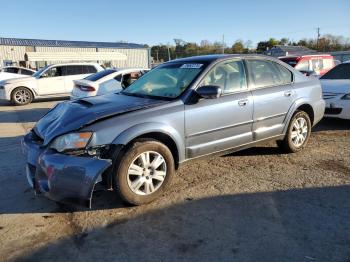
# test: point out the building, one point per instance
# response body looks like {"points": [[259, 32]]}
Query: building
{"points": [[287, 50], [37, 53]]}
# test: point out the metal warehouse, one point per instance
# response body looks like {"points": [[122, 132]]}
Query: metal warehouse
{"points": [[37, 53]]}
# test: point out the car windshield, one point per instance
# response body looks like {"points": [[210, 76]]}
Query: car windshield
{"points": [[99, 75], [38, 73], [165, 81], [341, 71]]}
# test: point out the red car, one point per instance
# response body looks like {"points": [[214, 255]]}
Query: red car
{"points": [[318, 64]]}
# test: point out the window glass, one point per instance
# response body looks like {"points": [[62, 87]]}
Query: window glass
{"points": [[12, 70], [264, 73], [108, 86], [327, 63], [229, 76], [26, 72], [303, 65], [130, 78], [54, 72], [317, 64], [99, 75], [74, 70], [166, 81], [285, 75], [341, 71], [89, 69]]}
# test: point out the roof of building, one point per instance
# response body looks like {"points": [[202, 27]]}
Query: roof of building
{"points": [[65, 43], [294, 49]]}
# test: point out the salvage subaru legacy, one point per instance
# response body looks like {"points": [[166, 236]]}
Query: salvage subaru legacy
{"points": [[133, 141]]}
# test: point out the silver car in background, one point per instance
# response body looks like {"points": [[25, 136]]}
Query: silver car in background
{"points": [[132, 142]]}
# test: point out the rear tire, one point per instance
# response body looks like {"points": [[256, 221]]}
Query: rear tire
{"points": [[298, 133], [144, 172], [21, 96]]}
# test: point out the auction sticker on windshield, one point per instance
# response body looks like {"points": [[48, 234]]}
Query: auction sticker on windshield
{"points": [[191, 66]]}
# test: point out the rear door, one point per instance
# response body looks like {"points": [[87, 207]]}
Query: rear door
{"points": [[76, 72], [273, 95], [52, 81], [213, 125]]}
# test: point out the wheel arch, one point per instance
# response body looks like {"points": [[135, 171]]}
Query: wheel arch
{"points": [[13, 89], [160, 132]]}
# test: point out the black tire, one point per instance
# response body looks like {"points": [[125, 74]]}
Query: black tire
{"points": [[132, 154], [21, 96], [287, 144]]}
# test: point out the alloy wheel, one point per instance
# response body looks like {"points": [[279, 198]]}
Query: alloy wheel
{"points": [[299, 132], [22, 96], [146, 173]]}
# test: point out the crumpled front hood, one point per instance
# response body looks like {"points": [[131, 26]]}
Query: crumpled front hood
{"points": [[72, 115], [339, 86]]}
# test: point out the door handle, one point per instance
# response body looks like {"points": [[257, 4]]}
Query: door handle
{"points": [[288, 93], [243, 102]]}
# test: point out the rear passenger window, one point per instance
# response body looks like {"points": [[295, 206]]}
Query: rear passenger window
{"points": [[229, 76], [26, 72], [266, 73], [88, 69], [74, 70], [286, 75]]}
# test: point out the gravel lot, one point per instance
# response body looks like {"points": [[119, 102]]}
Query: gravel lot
{"points": [[254, 205]]}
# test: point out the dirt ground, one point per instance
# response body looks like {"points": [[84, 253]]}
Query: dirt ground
{"points": [[254, 205]]}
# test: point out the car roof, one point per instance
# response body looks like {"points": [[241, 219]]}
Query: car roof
{"points": [[81, 63], [216, 57]]}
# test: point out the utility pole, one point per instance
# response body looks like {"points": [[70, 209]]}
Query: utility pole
{"points": [[318, 37], [169, 53], [223, 44]]}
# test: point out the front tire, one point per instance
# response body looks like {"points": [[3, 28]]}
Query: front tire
{"points": [[144, 172], [298, 133], [21, 96]]}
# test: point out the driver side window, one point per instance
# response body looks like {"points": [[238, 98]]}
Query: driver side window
{"points": [[229, 76], [54, 72]]}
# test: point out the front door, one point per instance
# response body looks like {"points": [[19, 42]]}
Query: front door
{"points": [[273, 95], [214, 125], [52, 81]]}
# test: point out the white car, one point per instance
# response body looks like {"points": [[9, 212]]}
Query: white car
{"points": [[51, 81], [336, 91], [107, 81], [9, 72]]}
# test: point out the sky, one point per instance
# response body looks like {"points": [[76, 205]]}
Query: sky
{"points": [[161, 21]]}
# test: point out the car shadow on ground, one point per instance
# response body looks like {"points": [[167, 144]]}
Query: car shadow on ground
{"points": [[36, 101], [332, 124], [294, 225], [23, 115]]}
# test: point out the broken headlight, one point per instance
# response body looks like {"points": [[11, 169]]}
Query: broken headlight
{"points": [[72, 141]]}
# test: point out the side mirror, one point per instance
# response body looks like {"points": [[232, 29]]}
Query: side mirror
{"points": [[209, 92]]}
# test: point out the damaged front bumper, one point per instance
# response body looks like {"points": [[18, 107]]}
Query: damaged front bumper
{"points": [[63, 178]]}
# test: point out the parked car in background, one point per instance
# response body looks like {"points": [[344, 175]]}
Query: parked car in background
{"points": [[107, 81], [134, 140], [9, 72], [336, 91], [51, 81], [315, 65]]}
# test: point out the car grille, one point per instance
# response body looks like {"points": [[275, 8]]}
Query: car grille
{"points": [[333, 111], [328, 95]]}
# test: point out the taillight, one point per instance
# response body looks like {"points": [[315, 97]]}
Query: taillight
{"points": [[87, 88]]}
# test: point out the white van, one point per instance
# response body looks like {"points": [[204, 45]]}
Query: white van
{"points": [[51, 81]]}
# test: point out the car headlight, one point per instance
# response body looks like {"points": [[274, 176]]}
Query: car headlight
{"points": [[72, 141], [346, 97]]}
